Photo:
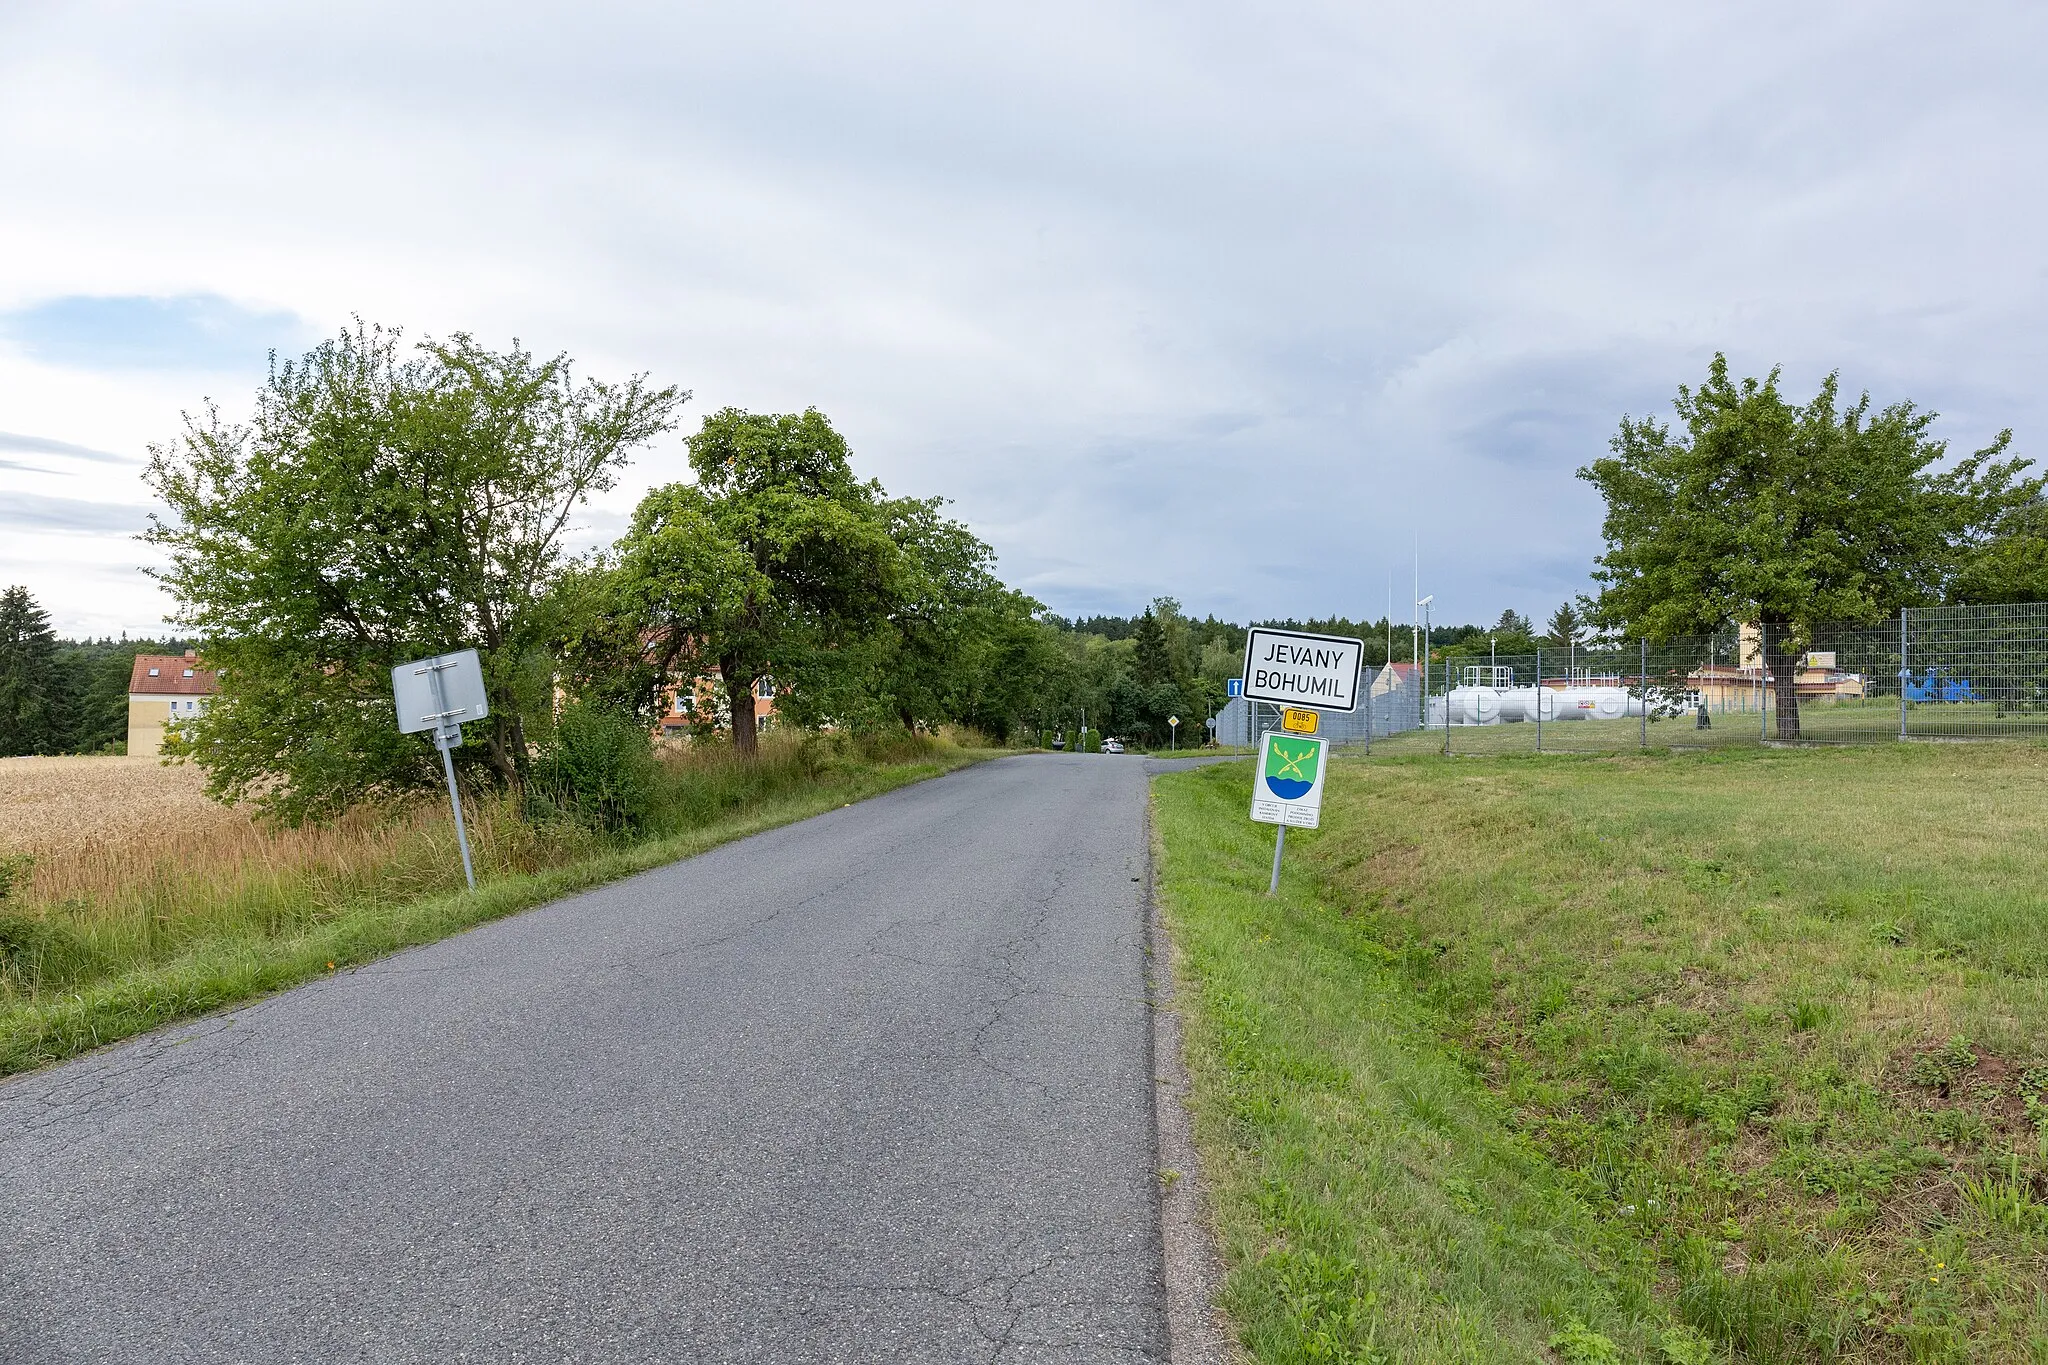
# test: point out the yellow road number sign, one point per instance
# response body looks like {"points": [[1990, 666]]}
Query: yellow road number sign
{"points": [[1298, 722]]}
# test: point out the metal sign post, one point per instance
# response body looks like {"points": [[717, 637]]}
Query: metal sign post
{"points": [[1287, 788], [439, 694], [1173, 734], [1301, 674]]}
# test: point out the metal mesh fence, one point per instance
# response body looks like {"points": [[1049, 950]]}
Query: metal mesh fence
{"points": [[1394, 704], [1931, 673]]}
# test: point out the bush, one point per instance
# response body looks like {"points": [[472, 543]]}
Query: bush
{"points": [[24, 939], [599, 770]]}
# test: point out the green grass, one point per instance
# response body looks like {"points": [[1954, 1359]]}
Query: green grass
{"points": [[81, 975], [1754, 1041]]}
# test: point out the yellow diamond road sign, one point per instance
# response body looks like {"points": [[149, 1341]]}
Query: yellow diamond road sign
{"points": [[1298, 722]]}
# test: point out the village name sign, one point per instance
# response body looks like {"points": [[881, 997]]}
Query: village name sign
{"points": [[1290, 668]]}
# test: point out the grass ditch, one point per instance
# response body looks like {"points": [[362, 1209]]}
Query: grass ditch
{"points": [[1736, 1055], [101, 940]]}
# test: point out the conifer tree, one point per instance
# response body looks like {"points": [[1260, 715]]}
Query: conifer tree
{"points": [[31, 715]]}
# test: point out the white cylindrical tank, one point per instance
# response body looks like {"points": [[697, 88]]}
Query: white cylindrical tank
{"points": [[1475, 705], [1595, 703]]}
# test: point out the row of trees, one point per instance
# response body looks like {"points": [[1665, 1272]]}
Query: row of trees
{"points": [[62, 696], [384, 503]]}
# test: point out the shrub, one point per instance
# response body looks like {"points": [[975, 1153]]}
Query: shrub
{"points": [[24, 938], [598, 770]]}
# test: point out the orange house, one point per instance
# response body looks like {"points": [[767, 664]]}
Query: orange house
{"points": [[684, 703]]}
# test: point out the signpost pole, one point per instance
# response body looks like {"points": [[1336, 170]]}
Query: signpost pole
{"points": [[447, 735], [1298, 674], [447, 745]]}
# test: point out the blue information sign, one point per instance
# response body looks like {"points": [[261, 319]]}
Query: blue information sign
{"points": [[1234, 687]]}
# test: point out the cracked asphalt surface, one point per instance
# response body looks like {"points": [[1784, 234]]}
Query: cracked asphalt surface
{"points": [[872, 1087]]}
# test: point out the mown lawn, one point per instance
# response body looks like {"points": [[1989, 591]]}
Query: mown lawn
{"points": [[1740, 1048]]}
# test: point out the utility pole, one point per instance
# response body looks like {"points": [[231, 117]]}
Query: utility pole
{"points": [[1414, 631], [1422, 605]]}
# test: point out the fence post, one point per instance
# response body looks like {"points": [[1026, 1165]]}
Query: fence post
{"points": [[1903, 674], [1448, 685], [1643, 683], [1538, 698], [1763, 684], [1368, 715]]}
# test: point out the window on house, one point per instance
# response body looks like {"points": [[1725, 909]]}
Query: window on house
{"points": [[154, 671], [188, 672]]}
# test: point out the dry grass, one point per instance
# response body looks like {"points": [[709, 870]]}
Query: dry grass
{"points": [[105, 833], [50, 804], [144, 902]]}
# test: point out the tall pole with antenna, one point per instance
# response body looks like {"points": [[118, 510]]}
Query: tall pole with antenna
{"points": [[1414, 623]]}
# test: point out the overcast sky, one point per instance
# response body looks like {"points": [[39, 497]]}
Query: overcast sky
{"points": [[1241, 304]]}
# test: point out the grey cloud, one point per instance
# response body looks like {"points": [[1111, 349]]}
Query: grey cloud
{"points": [[1168, 298], [43, 445], [34, 512]]}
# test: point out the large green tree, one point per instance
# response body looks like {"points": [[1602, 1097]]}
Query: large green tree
{"points": [[1566, 628], [776, 559], [31, 690], [951, 633], [2012, 566], [382, 504], [1759, 510]]}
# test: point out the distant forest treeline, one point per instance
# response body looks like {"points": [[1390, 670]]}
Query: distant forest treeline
{"points": [[63, 696]]}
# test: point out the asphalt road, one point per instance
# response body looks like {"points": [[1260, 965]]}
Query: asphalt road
{"points": [[873, 1087]]}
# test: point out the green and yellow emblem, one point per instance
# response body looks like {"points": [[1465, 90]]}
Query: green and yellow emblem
{"points": [[1291, 766]]}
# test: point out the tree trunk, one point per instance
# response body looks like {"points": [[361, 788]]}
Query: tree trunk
{"points": [[499, 750], [739, 699], [1783, 662]]}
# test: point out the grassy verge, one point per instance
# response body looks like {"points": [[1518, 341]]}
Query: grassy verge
{"points": [[172, 941], [1374, 1201], [1753, 1041]]}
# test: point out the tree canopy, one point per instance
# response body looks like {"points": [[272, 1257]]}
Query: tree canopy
{"points": [[1759, 510], [1565, 628], [380, 506], [31, 702]]}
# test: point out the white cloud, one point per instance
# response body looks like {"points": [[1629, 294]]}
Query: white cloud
{"points": [[1192, 299]]}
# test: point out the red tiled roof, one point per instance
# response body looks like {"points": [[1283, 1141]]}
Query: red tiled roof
{"points": [[175, 677]]}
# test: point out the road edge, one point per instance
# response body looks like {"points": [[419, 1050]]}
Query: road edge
{"points": [[1196, 1333], [460, 913]]}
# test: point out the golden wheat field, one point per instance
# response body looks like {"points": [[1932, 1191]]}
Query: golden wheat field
{"points": [[50, 804], [99, 829]]}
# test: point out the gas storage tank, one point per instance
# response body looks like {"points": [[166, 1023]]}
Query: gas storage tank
{"points": [[1495, 705]]}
